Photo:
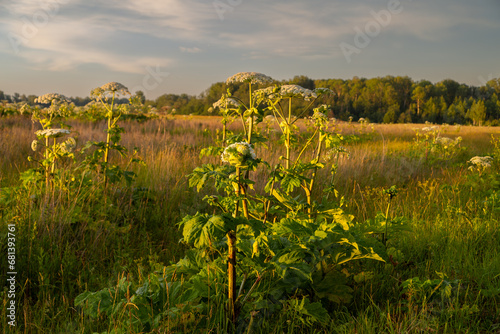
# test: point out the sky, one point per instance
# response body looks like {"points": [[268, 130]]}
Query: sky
{"points": [[184, 46]]}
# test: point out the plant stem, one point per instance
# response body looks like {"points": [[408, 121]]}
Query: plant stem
{"points": [[387, 221], [231, 273], [288, 130], [250, 127], [108, 139]]}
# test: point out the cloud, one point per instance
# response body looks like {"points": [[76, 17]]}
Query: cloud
{"points": [[126, 35], [189, 50]]}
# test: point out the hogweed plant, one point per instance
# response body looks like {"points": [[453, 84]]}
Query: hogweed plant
{"points": [[46, 141], [261, 250], [106, 96]]}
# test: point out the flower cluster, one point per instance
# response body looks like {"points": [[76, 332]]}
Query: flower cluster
{"points": [[480, 163], [52, 133], [319, 117], [445, 141], [34, 145], [110, 87], [430, 128], [68, 146], [297, 91], [226, 102], [238, 154], [251, 77], [48, 98]]}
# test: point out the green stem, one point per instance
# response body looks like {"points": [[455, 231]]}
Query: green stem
{"points": [[305, 146], [238, 190], [108, 139], [250, 127], [387, 221], [289, 130]]}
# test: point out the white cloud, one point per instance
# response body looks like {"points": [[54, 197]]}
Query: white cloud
{"points": [[189, 50]]}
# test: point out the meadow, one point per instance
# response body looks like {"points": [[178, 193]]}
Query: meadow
{"points": [[339, 227]]}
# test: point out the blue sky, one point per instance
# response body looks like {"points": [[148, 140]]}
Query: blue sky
{"points": [[183, 46]]}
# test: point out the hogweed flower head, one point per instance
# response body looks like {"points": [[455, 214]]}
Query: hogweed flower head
{"points": [[52, 133], [430, 128], [250, 77], [297, 91], [268, 92], [34, 145], [480, 163], [225, 102], [109, 89], [319, 117], [238, 154], [68, 146], [444, 141], [51, 98]]}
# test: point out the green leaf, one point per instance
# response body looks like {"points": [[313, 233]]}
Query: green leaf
{"points": [[333, 287]]}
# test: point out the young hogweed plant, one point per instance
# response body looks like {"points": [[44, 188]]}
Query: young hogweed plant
{"points": [[106, 96], [47, 138]]}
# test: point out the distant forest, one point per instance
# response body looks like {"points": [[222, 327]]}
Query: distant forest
{"points": [[381, 100]]}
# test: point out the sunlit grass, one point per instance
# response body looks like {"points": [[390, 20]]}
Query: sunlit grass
{"points": [[454, 219]]}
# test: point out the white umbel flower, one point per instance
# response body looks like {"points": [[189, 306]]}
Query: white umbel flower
{"points": [[228, 101], [52, 133], [109, 89], [238, 154], [250, 77], [297, 91], [480, 163], [68, 146], [48, 98], [34, 145]]}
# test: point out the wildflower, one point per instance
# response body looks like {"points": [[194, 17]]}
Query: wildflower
{"points": [[361, 120], [34, 145], [238, 154], [297, 91], [430, 128], [68, 146], [110, 87], [114, 87], [251, 77], [49, 98], [52, 133], [226, 102], [480, 163], [319, 118], [444, 141]]}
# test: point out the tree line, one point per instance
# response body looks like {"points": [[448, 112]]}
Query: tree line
{"points": [[389, 99]]}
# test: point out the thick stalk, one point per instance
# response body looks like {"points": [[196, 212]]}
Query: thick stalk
{"points": [[315, 170], [250, 127], [46, 161], [231, 273], [231, 261], [108, 139], [288, 130]]}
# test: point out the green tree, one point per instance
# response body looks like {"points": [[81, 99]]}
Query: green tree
{"points": [[477, 112]]}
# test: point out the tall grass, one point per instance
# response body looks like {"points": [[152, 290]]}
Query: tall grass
{"points": [[70, 243]]}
